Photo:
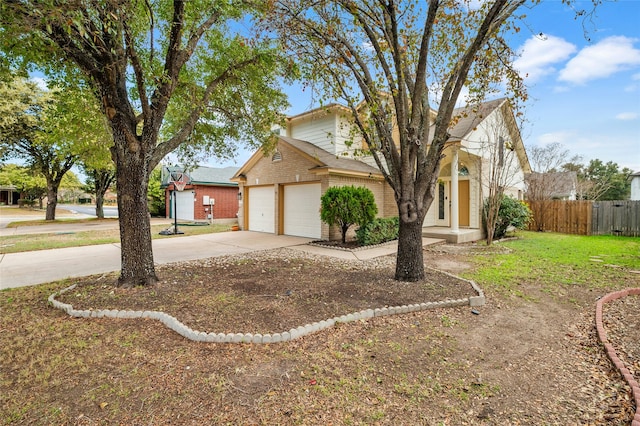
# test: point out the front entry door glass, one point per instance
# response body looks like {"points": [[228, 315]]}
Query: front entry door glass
{"points": [[441, 200]]}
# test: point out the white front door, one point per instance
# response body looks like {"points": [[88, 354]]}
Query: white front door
{"points": [[261, 209], [302, 210]]}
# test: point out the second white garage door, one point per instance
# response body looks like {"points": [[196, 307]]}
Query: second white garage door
{"points": [[262, 209], [302, 210]]}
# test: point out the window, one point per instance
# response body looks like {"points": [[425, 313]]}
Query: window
{"points": [[277, 156], [441, 200]]}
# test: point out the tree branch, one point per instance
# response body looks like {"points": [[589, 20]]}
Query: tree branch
{"points": [[179, 137]]}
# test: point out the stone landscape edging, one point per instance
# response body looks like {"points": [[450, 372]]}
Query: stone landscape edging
{"points": [[318, 243], [295, 333], [611, 352]]}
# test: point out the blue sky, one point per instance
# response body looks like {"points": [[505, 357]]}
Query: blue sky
{"points": [[584, 94], [583, 77]]}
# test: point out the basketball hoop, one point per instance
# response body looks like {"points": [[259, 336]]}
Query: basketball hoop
{"points": [[179, 180]]}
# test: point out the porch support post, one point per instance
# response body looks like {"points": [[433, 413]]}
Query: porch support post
{"points": [[454, 192]]}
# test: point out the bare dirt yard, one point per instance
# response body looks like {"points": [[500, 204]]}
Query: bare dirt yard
{"points": [[522, 360]]}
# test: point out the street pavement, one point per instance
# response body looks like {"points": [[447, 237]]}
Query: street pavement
{"points": [[43, 266]]}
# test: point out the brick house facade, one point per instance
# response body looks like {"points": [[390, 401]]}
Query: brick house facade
{"points": [[214, 196]]}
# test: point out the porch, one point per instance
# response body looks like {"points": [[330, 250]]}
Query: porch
{"points": [[462, 235]]}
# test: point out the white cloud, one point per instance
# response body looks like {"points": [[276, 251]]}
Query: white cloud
{"points": [[601, 60], [475, 4], [627, 116], [560, 137], [41, 82], [633, 86], [538, 54]]}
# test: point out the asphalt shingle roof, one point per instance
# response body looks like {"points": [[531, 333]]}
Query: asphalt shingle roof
{"points": [[207, 175], [329, 160]]}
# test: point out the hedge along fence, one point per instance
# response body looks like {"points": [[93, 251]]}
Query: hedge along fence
{"points": [[586, 217]]}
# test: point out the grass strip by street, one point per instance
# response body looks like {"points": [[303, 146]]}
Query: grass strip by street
{"points": [[31, 242], [38, 222], [550, 259]]}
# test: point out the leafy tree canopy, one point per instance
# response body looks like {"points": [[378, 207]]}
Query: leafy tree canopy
{"points": [[165, 74]]}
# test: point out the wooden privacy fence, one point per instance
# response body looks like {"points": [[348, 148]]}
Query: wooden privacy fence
{"points": [[586, 217], [616, 218]]}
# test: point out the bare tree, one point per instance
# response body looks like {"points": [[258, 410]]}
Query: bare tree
{"points": [[501, 159], [547, 182]]}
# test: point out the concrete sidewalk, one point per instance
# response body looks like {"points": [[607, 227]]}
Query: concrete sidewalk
{"points": [[61, 227], [37, 267]]}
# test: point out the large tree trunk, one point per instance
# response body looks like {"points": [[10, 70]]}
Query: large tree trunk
{"points": [[137, 267], [132, 177], [52, 202], [99, 205], [410, 259]]}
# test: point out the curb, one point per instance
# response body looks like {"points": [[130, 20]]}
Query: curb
{"points": [[285, 336], [611, 352]]}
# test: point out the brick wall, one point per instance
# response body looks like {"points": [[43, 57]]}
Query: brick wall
{"points": [[226, 201], [292, 167]]}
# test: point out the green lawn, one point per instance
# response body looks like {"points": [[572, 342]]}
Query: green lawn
{"points": [[550, 259], [31, 242]]}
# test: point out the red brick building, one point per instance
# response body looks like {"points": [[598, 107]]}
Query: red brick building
{"points": [[210, 195]]}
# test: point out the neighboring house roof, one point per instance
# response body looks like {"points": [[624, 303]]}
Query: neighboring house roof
{"points": [[205, 176], [559, 184]]}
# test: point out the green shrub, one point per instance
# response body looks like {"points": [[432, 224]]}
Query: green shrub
{"points": [[347, 205], [511, 213], [378, 231]]}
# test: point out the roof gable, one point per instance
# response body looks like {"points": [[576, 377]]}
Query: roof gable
{"points": [[322, 160], [205, 175]]}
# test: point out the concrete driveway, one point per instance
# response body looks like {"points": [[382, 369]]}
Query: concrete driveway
{"points": [[37, 267], [43, 266]]}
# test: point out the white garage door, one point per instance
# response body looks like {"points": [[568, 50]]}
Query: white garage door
{"points": [[302, 210], [262, 209], [185, 205]]}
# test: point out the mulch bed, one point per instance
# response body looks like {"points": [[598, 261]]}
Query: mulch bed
{"points": [[270, 292]]}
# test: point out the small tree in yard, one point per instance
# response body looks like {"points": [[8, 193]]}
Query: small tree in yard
{"points": [[347, 205], [512, 213]]}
